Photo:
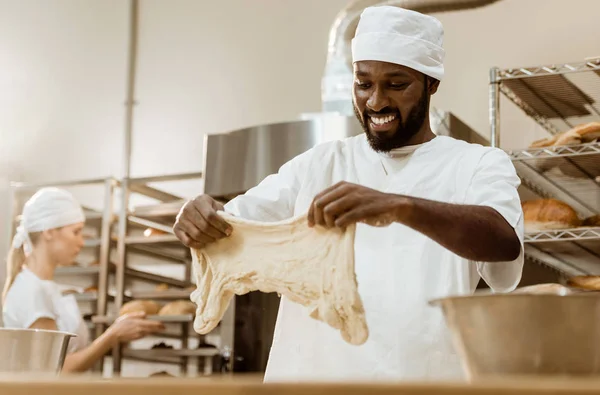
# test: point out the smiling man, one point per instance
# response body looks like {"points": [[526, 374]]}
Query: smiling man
{"points": [[433, 214]]}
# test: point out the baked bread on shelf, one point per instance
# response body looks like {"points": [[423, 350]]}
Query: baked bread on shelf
{"points": [[149, 307], [545, 142], [593, 221], [588, 132], [546, 214], [570, 137], [580, 134], [178, 307], [590, 283]]}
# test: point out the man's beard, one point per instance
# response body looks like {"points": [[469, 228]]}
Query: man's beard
{"points": [[405, 130]]}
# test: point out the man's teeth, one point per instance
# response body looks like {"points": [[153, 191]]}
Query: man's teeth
{"points": [[383, 120]]}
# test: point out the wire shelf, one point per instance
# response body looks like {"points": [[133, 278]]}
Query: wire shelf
{"points": [[559, 96], [571, 172], [576, 234], [573, 251], [565, 151]]}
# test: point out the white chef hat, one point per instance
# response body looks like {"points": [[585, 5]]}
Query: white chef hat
{"points": [[396, 35], [48, 208]]}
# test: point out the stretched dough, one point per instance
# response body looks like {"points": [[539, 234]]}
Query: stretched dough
{"points": [[310, 266]]}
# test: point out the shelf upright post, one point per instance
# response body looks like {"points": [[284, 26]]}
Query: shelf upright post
{"points": [[494, 108]]}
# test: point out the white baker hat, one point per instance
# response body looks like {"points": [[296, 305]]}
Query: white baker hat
{"points": [[48, 208], [397, 35]]}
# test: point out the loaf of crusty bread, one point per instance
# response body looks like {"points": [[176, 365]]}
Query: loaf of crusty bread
{"points": [[590, 283], [147, 306], [546, 142], [544, 214], [594, 220], [570, 137], [588, 132], [583, 133], [178, 307]]}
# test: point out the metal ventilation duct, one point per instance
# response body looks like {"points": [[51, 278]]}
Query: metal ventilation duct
{"points": [[336, 85]]}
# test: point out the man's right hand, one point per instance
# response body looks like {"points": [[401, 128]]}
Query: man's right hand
{"points": [[198, 223]]}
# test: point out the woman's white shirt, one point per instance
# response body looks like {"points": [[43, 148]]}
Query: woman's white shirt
{"points": [[31, 298]]}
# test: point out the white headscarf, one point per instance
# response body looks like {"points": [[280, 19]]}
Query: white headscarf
{"points": [[48, 208], [400, 36]]}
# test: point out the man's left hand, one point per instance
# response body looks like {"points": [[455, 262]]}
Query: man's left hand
{"points": [[345, 203]]}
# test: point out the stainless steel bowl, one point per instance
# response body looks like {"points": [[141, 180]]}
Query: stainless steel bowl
{"points": [[32, 350], [525, 334]]}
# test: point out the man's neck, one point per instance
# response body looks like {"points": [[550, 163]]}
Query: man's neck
{"points": [[421, 138]]}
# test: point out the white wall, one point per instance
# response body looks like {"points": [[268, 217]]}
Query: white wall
{"points": [[511, 33], [207, 67]]}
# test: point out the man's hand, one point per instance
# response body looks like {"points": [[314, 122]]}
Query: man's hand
{"points": [[198, 223], [344, 204]]}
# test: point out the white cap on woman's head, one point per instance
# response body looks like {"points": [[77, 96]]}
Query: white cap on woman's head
{"points": [[48, 208], [396, 35]]}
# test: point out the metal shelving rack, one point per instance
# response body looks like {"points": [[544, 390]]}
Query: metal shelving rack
{"points": [[166, 248], [557, 97], [98, 220]]}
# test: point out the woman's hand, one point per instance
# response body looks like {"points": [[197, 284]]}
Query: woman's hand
{"points": [[133, 326]]}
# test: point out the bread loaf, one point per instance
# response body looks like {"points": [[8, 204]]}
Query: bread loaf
{"points": [[594, 221], [547, 142], [583, 133], [161, 374], [590, 283], [178, 307], [588, 132], [569, 138], [162, 287], [147, 306], [544, 214]]}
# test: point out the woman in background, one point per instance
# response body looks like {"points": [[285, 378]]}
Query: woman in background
{"points": [[50, 235]]}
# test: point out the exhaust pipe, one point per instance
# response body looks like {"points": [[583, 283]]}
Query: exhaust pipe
{"points": [[336, 85]]}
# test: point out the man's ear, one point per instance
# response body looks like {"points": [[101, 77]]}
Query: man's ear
{"points": [[433, 85]]}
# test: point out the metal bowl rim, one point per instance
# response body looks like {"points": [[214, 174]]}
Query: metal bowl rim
{"points": [[438, 301], [38, 331]]}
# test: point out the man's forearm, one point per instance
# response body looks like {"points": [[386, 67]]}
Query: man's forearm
{"points": [[477, 233]]}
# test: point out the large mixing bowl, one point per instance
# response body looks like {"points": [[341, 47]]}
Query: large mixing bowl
{"points": [[525, 334], [32, 350]]}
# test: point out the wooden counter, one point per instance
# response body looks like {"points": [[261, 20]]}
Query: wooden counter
{"points": [[253, 386]]}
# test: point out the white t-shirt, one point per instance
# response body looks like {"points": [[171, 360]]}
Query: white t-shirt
{"points": [[398, 269], [31, 298]]}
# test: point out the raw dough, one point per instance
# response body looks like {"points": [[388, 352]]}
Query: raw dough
{"points": [[310, 266]]}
